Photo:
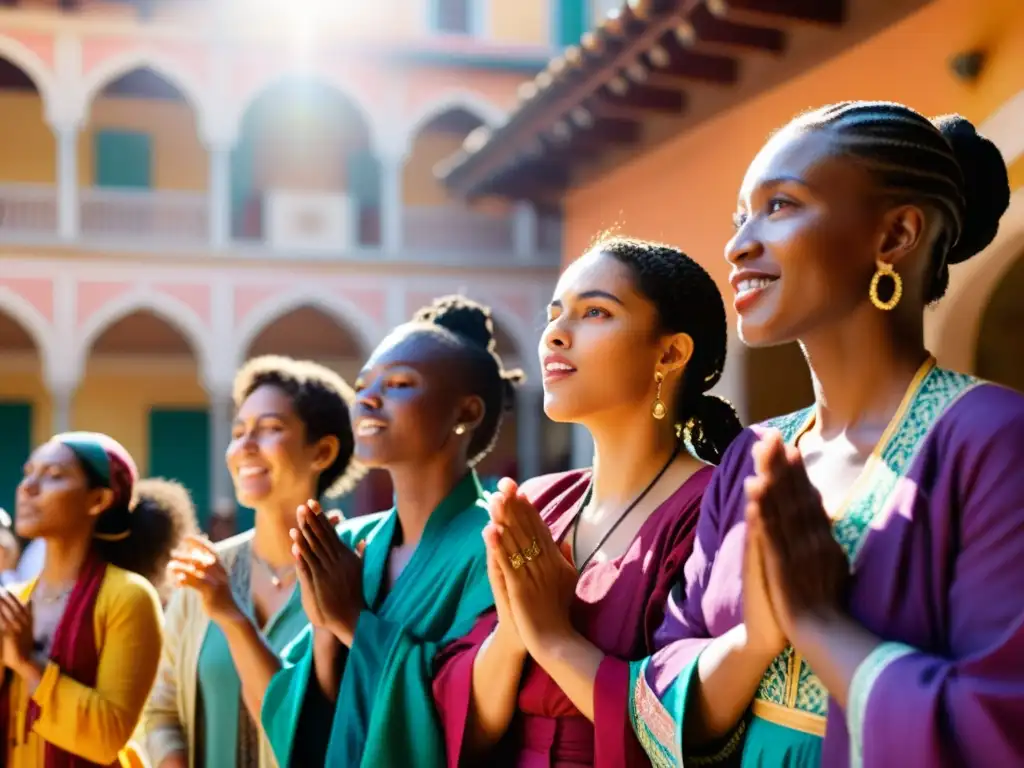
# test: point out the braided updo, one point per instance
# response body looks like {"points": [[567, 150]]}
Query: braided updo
{"points": [[471, 327], [687, 301], [942, 162]]}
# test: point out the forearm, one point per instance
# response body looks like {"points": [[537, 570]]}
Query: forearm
{"points": [[729, 672], [255, 663], [834, 647], [497, 670], [572, 662], [31, 673], [327, 653]]}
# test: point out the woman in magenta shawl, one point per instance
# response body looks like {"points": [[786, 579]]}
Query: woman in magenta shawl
{"points": [[581, 562], [877, 534]]}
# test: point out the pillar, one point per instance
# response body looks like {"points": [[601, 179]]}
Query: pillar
{"points": [[391, 204], [67, 181], [222, 412], [61, 398], [524, 231], [220, 196]]}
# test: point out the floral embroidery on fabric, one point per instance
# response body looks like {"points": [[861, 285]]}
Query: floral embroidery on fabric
{"points": [[655, 729]]}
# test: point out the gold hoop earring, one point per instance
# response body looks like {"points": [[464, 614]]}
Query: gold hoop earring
{"points": [[886, 270], [658, 409]]}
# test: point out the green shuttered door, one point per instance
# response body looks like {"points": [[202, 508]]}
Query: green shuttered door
{"points": [[179, 449]]}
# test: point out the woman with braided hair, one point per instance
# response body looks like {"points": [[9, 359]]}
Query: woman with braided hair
{"points": [[387, 590], [854, 598], [82, 641], [581, 562]]}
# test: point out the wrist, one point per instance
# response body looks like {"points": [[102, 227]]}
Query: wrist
{"points": [[554, 647], [811, 627], [345, 630], [754, 648], [30, 670], [506, 641]]}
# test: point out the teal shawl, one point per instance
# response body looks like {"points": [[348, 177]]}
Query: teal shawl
{"points": [[385, 709]]}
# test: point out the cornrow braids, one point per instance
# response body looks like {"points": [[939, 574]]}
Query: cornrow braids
{"points": [[687, 301], [321, 399], [471, 327], [942, 162]]}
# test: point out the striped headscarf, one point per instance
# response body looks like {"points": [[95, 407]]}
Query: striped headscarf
{"points": [[110, 466]]}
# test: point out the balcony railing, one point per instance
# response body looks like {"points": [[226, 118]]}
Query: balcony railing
{"points": [[155, 220]]}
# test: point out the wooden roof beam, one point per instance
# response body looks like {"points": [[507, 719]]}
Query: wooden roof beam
{"points": [[703, 32], [774, 12], [670, 63], [635, 100]]}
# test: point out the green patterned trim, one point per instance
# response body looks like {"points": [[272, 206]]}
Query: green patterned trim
{"points": [[864, 679], [653, 724], [789, 681], [939, 390], [791, 424], [728, 750]]}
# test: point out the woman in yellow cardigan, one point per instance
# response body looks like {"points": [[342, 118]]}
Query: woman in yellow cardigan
{"points": [[81, 643]]}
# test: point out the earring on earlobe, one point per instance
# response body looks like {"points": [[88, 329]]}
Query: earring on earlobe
{"points": [[460, 429], [886, 270], [658, 409]]}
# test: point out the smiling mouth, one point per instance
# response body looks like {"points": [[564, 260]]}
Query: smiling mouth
{"points": [[248, 472], [751, 286], [557, 369], [370, 427]]}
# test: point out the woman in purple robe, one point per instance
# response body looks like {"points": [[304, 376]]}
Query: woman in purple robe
{"points": [[581, 563], [854, 596]]}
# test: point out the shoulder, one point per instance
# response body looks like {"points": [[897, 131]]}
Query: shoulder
{"points": [[983, 419], [553, 494], [126, 593]]}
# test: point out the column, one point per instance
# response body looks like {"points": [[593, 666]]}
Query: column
{"points": [[524, 231], [529, 431], [61, 398], [582, 455], [222, 411], [67, 181], [220, 196], [391, 205]]}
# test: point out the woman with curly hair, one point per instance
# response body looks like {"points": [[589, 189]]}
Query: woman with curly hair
{"points": [[68, 697], [240, 605]]}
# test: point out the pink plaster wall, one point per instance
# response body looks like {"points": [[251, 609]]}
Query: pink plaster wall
{"points": [[36, 291], [196, 296], [40, 43], [94, 294]]}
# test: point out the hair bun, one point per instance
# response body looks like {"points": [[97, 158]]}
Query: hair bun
{"points": [[463, 317], [986, 185]]}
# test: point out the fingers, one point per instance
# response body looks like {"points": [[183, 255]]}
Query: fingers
{"points": [[187, 575], [508, 487], [313, 524], [18, 610], [201, 543], [301, 548]]}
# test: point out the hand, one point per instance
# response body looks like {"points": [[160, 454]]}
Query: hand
{"points": [[506, 632], [542, 589], [764, 635], [16, 631], [806, 570], [334, 571], [307, 592], [197, 566]]}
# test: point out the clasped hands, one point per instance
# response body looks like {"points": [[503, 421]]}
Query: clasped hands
{"points": [[795, 574], [330, 575], [532, 577]]}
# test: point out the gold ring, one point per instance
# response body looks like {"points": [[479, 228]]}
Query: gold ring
{"points": [[517, 560], [532, 551]]}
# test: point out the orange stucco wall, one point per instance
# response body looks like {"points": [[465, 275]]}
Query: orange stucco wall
{"points": [[684, 192]]}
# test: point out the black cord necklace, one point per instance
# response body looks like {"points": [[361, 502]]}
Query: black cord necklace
{"points": [[630, 508]]}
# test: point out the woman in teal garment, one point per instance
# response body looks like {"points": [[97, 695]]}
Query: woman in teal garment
{"points": [[291, 441], [356, 689], [854, 595]]}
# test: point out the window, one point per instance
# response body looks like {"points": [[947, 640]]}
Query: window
{"points": [[122, 159], [453, 16]]}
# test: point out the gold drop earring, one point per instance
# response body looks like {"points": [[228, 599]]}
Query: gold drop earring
{"points": [[885, 270], [658, 409]]}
